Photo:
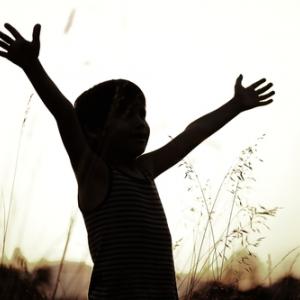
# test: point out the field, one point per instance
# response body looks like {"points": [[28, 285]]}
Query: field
{"points": [[223, 262], [17, 282]]}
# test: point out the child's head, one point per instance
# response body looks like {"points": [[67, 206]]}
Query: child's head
{"points": [[100, 118]]}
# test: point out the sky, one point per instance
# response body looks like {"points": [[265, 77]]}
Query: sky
{"points": [[185, 56]]}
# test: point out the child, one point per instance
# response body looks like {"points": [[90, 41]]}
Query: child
{"points": [[105, 135]]}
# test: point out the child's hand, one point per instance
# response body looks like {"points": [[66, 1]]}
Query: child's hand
{"points": [[18, 50], [252, 96]]}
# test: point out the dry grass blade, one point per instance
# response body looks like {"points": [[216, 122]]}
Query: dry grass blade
{"points": [[244, 223], [227, 230], [280, 262], [70, 21], [14, 177], [63, 257]]}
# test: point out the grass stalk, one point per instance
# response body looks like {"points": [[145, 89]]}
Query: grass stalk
{"points": [[227, 230], [282, 259], [269, 262], [14, 178], [63, 258]]}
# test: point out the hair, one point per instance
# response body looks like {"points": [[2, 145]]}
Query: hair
{"points": [[93, 106]]}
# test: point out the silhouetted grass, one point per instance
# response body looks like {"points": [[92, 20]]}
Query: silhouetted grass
{"points": [[245, 222], [287, 288], [6, 221], [16, 283], [19, 283], [43, 280], [212, 274]]}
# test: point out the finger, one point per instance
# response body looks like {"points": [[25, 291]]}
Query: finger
{"points": [[238, 81], [256, 84], [36, 33], [13, 31], [4, 45], [264, 89], [3, 54], [266, 96], [6, 38], [265, 102]]}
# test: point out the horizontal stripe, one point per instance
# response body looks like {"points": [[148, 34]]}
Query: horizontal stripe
{"points": [[137, 210], [115, 256], [130, 243], [132, 219], [127, 199]]}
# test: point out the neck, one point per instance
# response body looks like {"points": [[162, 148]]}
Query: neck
{"points": [[112, 156]]}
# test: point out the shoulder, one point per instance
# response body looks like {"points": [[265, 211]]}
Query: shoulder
{"points": [[93, 177]]}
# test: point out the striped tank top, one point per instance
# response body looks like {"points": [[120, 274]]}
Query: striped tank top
{"points": [[130, 243]]}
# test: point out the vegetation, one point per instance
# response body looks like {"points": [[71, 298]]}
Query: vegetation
{"points": [[246, 219], [18, 283], [219, 268]]}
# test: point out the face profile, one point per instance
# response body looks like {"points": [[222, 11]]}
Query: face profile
{"points": [[128, 132]]}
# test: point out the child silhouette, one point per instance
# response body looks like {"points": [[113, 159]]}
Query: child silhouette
{"points": [[105, 135]]}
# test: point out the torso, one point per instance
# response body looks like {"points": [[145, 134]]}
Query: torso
{"points": [[93, 188], [129, 240]]}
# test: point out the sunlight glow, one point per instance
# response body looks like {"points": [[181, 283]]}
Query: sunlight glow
{"points": [[186, 56]]}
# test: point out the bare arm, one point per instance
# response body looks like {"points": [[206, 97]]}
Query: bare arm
{"points": [[62, 110], [25, 54], [244, 99], [51, 96]]}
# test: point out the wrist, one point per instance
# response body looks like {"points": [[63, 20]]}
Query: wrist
{"points": [[31, 65], [34, 66], [236, 105]]}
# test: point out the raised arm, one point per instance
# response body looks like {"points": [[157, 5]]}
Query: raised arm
{"points": [[25, 55], [245, 98]]}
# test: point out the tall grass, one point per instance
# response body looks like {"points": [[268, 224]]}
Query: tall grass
{"points": [[19, 282], [11, 196], [63, 258], [245, 221]]}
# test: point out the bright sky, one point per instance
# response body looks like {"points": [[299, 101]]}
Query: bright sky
{"points": [[185, 55]]}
